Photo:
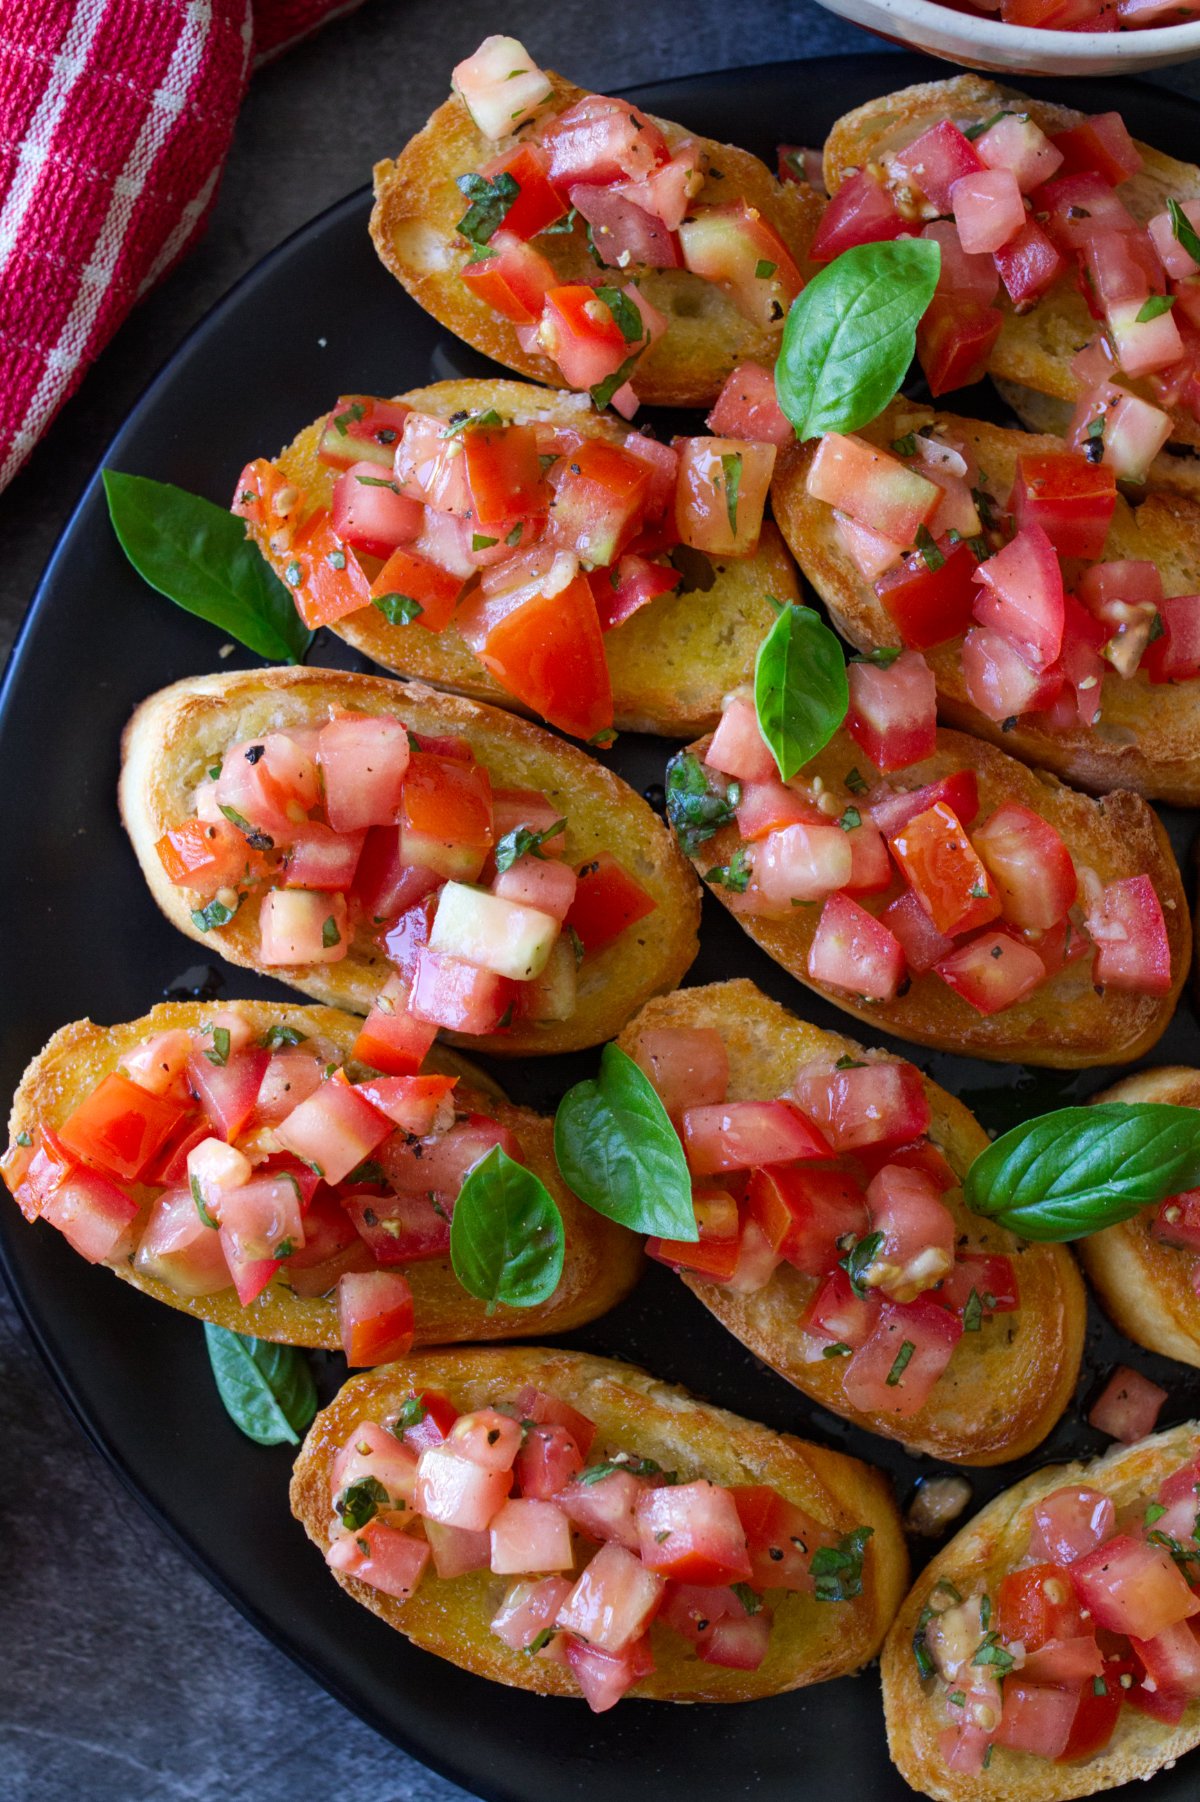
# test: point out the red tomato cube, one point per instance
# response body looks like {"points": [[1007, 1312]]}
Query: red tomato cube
{"points": [[893, 711], [855, 952], [375, 1316], [1128, 1406]]}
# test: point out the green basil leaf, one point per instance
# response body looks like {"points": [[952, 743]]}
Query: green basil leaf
{"points": [[851, 335], [490, 201], [199, 556], [506, 1234], [618, 1151], [800, 688], [268, 1390], [1080, 1169]]}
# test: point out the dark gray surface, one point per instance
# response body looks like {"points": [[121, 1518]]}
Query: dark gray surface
{"points": [[122, 1674]]}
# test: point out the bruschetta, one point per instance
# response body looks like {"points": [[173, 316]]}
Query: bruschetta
{"points": [[445, 535], [527, 901], [242, 1164], [833, 1238], [567, 1524], [960, 900], [1145, 1270], [1047, 1651], [1110, 697], [1082, 232], [583, 243]]}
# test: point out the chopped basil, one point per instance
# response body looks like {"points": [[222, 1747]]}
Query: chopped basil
{"points": [[257, 840], [906, 446], [523, 841], [1099, 1687], [625, 313], [977, 130], [219, 1053], [398, 609], [972, 1313], [463, 422], [360, 1502], [214, 773], [24, 1140], [978, 891], [204, 919], [1155, 307], [1184, 231], [991, 1652], [836, 1570], [275, 1036], [750, 1600], [481, 542], [514, 537], [637, 1467], [927, 545], [733, 875], [603, 391], [903, 1359], [285, 1248], [956, 1698], [576, 945], [330, 936], [839, 1349], [1154, 1512], [731, 466], [850, 1063], [763, 270], [490, 202], [370, 482], [856, 782], [369, 1171], [201, 1209], [563, 226], [858, 1261], [352, 415], [699, 802], [411, 1413], [850, 819], [883, 656], [547, 1633]]}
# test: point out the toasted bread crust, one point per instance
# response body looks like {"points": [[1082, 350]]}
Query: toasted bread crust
{"points": [[1144, 1286], [1148, 736], [177, 733], [602, 1260], [981, 1554], [811, 1640], [1066, 1023], [1007, 1384], [1035, 348], [418, 206], [670, 665]]}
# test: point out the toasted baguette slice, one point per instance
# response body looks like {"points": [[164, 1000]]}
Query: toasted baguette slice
{"points": [[602, 1260], [418, 206], [810, 1641], [176, 734], [981, 1554], [670, 665], [1148, 737], [1035, 348], [1008, 1383], [1145, 1286], [1066, 1023]]}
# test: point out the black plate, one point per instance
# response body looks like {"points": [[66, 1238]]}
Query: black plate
{"points": [[319, 317]]}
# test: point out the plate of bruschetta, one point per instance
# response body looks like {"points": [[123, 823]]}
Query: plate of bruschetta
{"points": [[606, 1105]]}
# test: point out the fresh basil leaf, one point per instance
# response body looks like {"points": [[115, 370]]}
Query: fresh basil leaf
{"points": [[268, 1390], [199, 556], [523, 841], [629, 320], [618, 1151], [1079, 1169], [506, 1234], [800, 688], [490, 201], [398, 609], [361, 1502], [206, 919], [851, 335], [837, 1569], [699, 802]]}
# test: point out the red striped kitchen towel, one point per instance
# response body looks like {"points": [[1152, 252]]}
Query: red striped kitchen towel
{"points": [[115, 118]]}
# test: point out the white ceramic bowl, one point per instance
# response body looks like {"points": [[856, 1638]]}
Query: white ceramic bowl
{"points": [[986, 42]]}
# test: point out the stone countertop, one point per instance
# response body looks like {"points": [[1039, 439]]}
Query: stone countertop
{"points": [[125, 1677]]}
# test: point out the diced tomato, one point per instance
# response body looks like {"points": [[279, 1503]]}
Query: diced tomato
{"points": [[326, 579], [538, 203], [614, 1600], [693, 1610], [363, 761], [722, 490], [599, 499], [959, 792], [893, 711], [335, 1129], [528, 1609], [668, 191], [714, 1259], [437, 1415], [582, 335], [937, 159], [1174, 656], [737, 747], [738, 1645], [1128, 1406], [873, 1104], [747, 408], [894, 1372], [837, 1313], [861, 212], [1035, 1720], [740, 1135], [548, 1460], [930, 605], [406, 577], [390, 1039], [1171, 1661], [446, 816], [770, 806], [1133, 1587], [318, 858], [780, 1537], [992, 971], [691, 1532], [1132, 948], [331, 1249], [441, 1163], [1143, 345], [393, 1561], [604, 1677], [607, 901], [870, 865], [400, 1229], [1100, 143], [603, 140], [971, 278], [988, 210], [941, 865], [177, 1248], [371, 1451], [513, 280], [918, 937], [736, 248], [1079, 207], [688, 1065], [1131, 431], [1095, 1719], [262, 1219], [1065, 1661], [209, 855], [1071, 498], [1022, 596], [93, 1214], [1038, 1604], [806, 1213], [1178, 263], [546, 1409], [989, 1276], [375, 1316], [257, 487], [622, 231], [801, 863], [369, 512], [855, 952], [1014, 142], [1030, 865], [362, 429], [1070, 1522], [605, 1508], [870, 552], [999, 681], [547, 649], [954, 342], [872, 486], [1029, 265], [918, 1232], [121, 1127], [530, 1535], [629, 586], [302, 926]]}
